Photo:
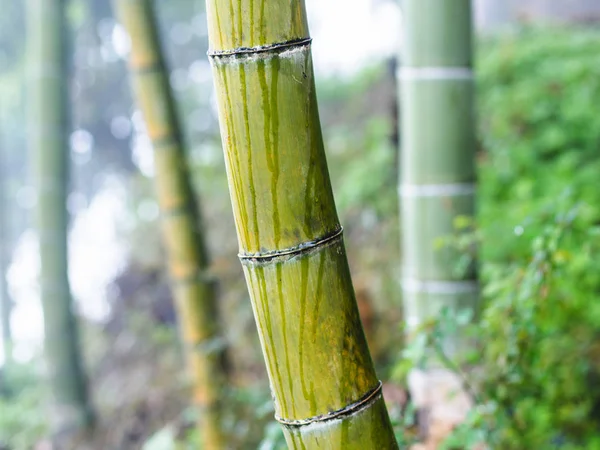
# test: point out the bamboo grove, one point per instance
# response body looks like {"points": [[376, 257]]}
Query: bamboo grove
{"points": [[290, 239], [191, 282], [325, 389]]}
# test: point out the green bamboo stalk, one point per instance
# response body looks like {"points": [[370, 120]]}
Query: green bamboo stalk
{"points": [[5, 300], [193, 288], [438, 155], [48, 121], [326, 393]]}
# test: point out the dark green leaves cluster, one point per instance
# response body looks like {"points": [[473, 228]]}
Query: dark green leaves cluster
{"points": [[539, 92], [540, 210]]}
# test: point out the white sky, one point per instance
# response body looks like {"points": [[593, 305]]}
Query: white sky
{"points": [[348, 34]]}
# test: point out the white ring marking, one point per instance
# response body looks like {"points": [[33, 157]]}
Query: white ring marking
{"points": [[437, 190], [435, 73], [439, 287]]}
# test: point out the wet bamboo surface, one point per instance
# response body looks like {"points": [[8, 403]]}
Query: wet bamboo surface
{"points": [[326, 392], [183, 233]]}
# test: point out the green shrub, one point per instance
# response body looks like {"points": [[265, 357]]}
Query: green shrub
{"points": [[539, 95]]}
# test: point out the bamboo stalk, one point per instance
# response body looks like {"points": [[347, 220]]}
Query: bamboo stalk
{"points": [[5, 300], [326, 393], [438, 154], [192, 285], [48, 122]]}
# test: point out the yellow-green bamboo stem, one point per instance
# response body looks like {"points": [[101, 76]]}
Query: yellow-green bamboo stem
{"points": [[326, 393], [438, 154], [182, 229], [48, 143]]}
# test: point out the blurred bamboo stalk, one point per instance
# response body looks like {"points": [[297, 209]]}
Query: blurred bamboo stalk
{"points": [[5, 300], [438, 155], [183, 232], [48, 128], [326, 392]]}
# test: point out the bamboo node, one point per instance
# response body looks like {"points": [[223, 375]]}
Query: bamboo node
{"points": [[212, 346], [368, 399], [305, 247], [447, 287], [156, 67], [260, 49], [166, 141], [202, 276], [437, 190], [436, 73]]}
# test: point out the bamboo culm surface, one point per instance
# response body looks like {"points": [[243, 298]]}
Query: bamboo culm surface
{"points": [[193, 287], [48, 125], [438, 155], [326, 392]]}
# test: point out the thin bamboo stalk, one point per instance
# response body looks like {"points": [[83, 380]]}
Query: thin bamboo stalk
{"points": [[438, 155], [192, 285], [48, 143], [326, 392], [5, 300]]}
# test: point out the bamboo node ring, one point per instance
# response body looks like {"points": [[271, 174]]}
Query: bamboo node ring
{"points": [[436, 73], [260, 49], [305, 247], [437, 190], [350, 409], [448, 287]]}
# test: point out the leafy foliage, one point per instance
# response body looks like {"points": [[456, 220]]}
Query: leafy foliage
{"points": [[539, 218], [539, 93], [23, 422]]}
